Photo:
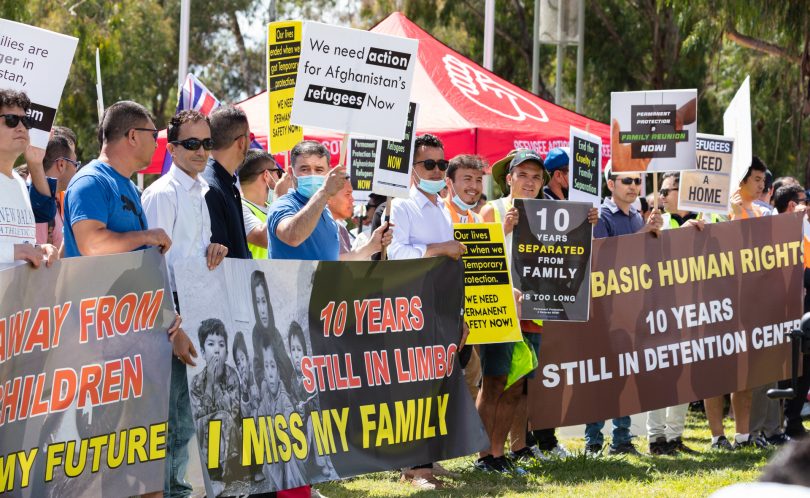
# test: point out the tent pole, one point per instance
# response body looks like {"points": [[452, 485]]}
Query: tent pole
{"points": [[489, 33], [560, 54]]}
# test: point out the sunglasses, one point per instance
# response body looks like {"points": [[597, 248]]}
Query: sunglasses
{"points": [[153, 131], [665, 191], [430, 164], [76, 164], [630, 181], [277, 172], [12, 120], [195, 143], [249, 135]]}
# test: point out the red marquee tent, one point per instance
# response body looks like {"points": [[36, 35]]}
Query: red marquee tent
{"points": [[471, 109]]}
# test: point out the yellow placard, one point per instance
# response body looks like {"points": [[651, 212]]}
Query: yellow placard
{"points": [[489, 302], [283, 53]]}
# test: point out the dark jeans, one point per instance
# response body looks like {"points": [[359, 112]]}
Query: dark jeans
{"points": [[181, 429], [793, 407]]}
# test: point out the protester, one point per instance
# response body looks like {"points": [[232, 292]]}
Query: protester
{"points": [[765, 201], [103, 212], [231, 134], [176, 203], [423, 230], [556, 164], [619, 217], [60, 165], [365, 227], [259, 176], [17, 227], [341, 209], [742, 207]]}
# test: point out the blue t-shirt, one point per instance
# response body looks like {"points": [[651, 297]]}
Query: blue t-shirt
{"points": [[613, 222], [322, 245], [98, 192]]}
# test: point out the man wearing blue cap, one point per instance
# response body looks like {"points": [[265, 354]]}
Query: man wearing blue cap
{"points": [[557, 166]]}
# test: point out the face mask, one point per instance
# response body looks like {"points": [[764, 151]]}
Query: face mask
{"points": [[270, 197], [461, 204], [308, 185], [431, 186]]}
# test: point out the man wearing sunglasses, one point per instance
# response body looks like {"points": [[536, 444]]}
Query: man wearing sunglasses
{"points": [[60, 165], [17, 228], [260, 179], [231, 134]]}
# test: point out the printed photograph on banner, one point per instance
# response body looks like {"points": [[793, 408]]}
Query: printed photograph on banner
{"points": [[489, 300], [362, 157], [675, 310], [392, 170], [36, 61], [708, 188], [653, 131], [354, 81], [551, 259], [585, 167], [295, 361], [283, 53], [89, 369]]}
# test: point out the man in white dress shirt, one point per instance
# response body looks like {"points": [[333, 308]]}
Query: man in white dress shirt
{"points": [[176, 203]]}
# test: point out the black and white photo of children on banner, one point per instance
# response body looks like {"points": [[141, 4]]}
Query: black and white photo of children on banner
{"points": [[250, 367]]}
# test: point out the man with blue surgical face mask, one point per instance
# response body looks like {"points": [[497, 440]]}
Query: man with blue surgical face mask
{"points": [[298, 224]]}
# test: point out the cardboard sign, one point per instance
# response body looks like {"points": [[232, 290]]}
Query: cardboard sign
{"points": [[653, 131], [737, 125], [489, 302], [707, 189], [354, 81], [362, 159], [283, 53], [392, 174], [551, 259], [37, 62], [585, 172]]}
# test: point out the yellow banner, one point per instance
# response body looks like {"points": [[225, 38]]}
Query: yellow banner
{"points": [[489, 303], [283, 52]]}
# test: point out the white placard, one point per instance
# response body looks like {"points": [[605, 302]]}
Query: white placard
{"points": [[392, 170], [737, 125], [36, 61], [354, 81], [653, 131], [585, 167]]}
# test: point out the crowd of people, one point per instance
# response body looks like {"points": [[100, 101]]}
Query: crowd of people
{"points": [[219, 199]]}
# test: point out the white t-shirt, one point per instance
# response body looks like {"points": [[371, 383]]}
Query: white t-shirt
{"points": [[16, 217], [251, 221]]}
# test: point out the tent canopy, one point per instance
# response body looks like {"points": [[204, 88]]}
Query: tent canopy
{"points": [[469, 108]]}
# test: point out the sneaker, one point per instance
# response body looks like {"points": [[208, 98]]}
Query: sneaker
{"points": [[490, 464], [777, 439], [722, 444], [593, 449], [623, 449], [527, 454], [660, 447], [677, 446], [795, 432], [559, 451], [511, 466], [751, 441]]}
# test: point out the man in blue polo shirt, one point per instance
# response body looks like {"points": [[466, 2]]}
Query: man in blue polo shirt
{"points": [[298, 224], [618, 217]]}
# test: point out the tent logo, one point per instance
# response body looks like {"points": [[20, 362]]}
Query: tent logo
{"points": [[489, 93]]}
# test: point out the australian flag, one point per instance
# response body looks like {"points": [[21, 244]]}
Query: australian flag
{"points": [[192, 95]]}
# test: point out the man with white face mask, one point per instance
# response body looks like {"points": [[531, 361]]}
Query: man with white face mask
{"points": [[299, 225]]}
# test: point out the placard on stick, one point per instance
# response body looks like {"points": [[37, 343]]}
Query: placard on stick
{"points": [[737, 125], [283, 54], [653, 131], [584, 172], [361, 162], [392, 173], [707, 189], [36, 61], [354, 81]]}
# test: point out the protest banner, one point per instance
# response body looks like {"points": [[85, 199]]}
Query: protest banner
{"points": [[283, 53], [737, 125], [312, 371], [551, 259], [354, 81], [392, 171], [489, 302], [707, 189], [688, 315], [653, 131], [362, 157], [36, 61], [585, 167], [84, 363]]}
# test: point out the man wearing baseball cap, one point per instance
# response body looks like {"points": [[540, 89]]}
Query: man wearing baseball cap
{"points": [[556, 164]]}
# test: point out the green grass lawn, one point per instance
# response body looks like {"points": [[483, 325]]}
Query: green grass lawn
{"points": [[585, 476]]}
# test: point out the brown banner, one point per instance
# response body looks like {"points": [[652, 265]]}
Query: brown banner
{"points": [[685, 316]]}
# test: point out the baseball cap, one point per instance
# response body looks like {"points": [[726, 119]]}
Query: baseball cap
{"points": [[557, 158], [523, 155]]}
